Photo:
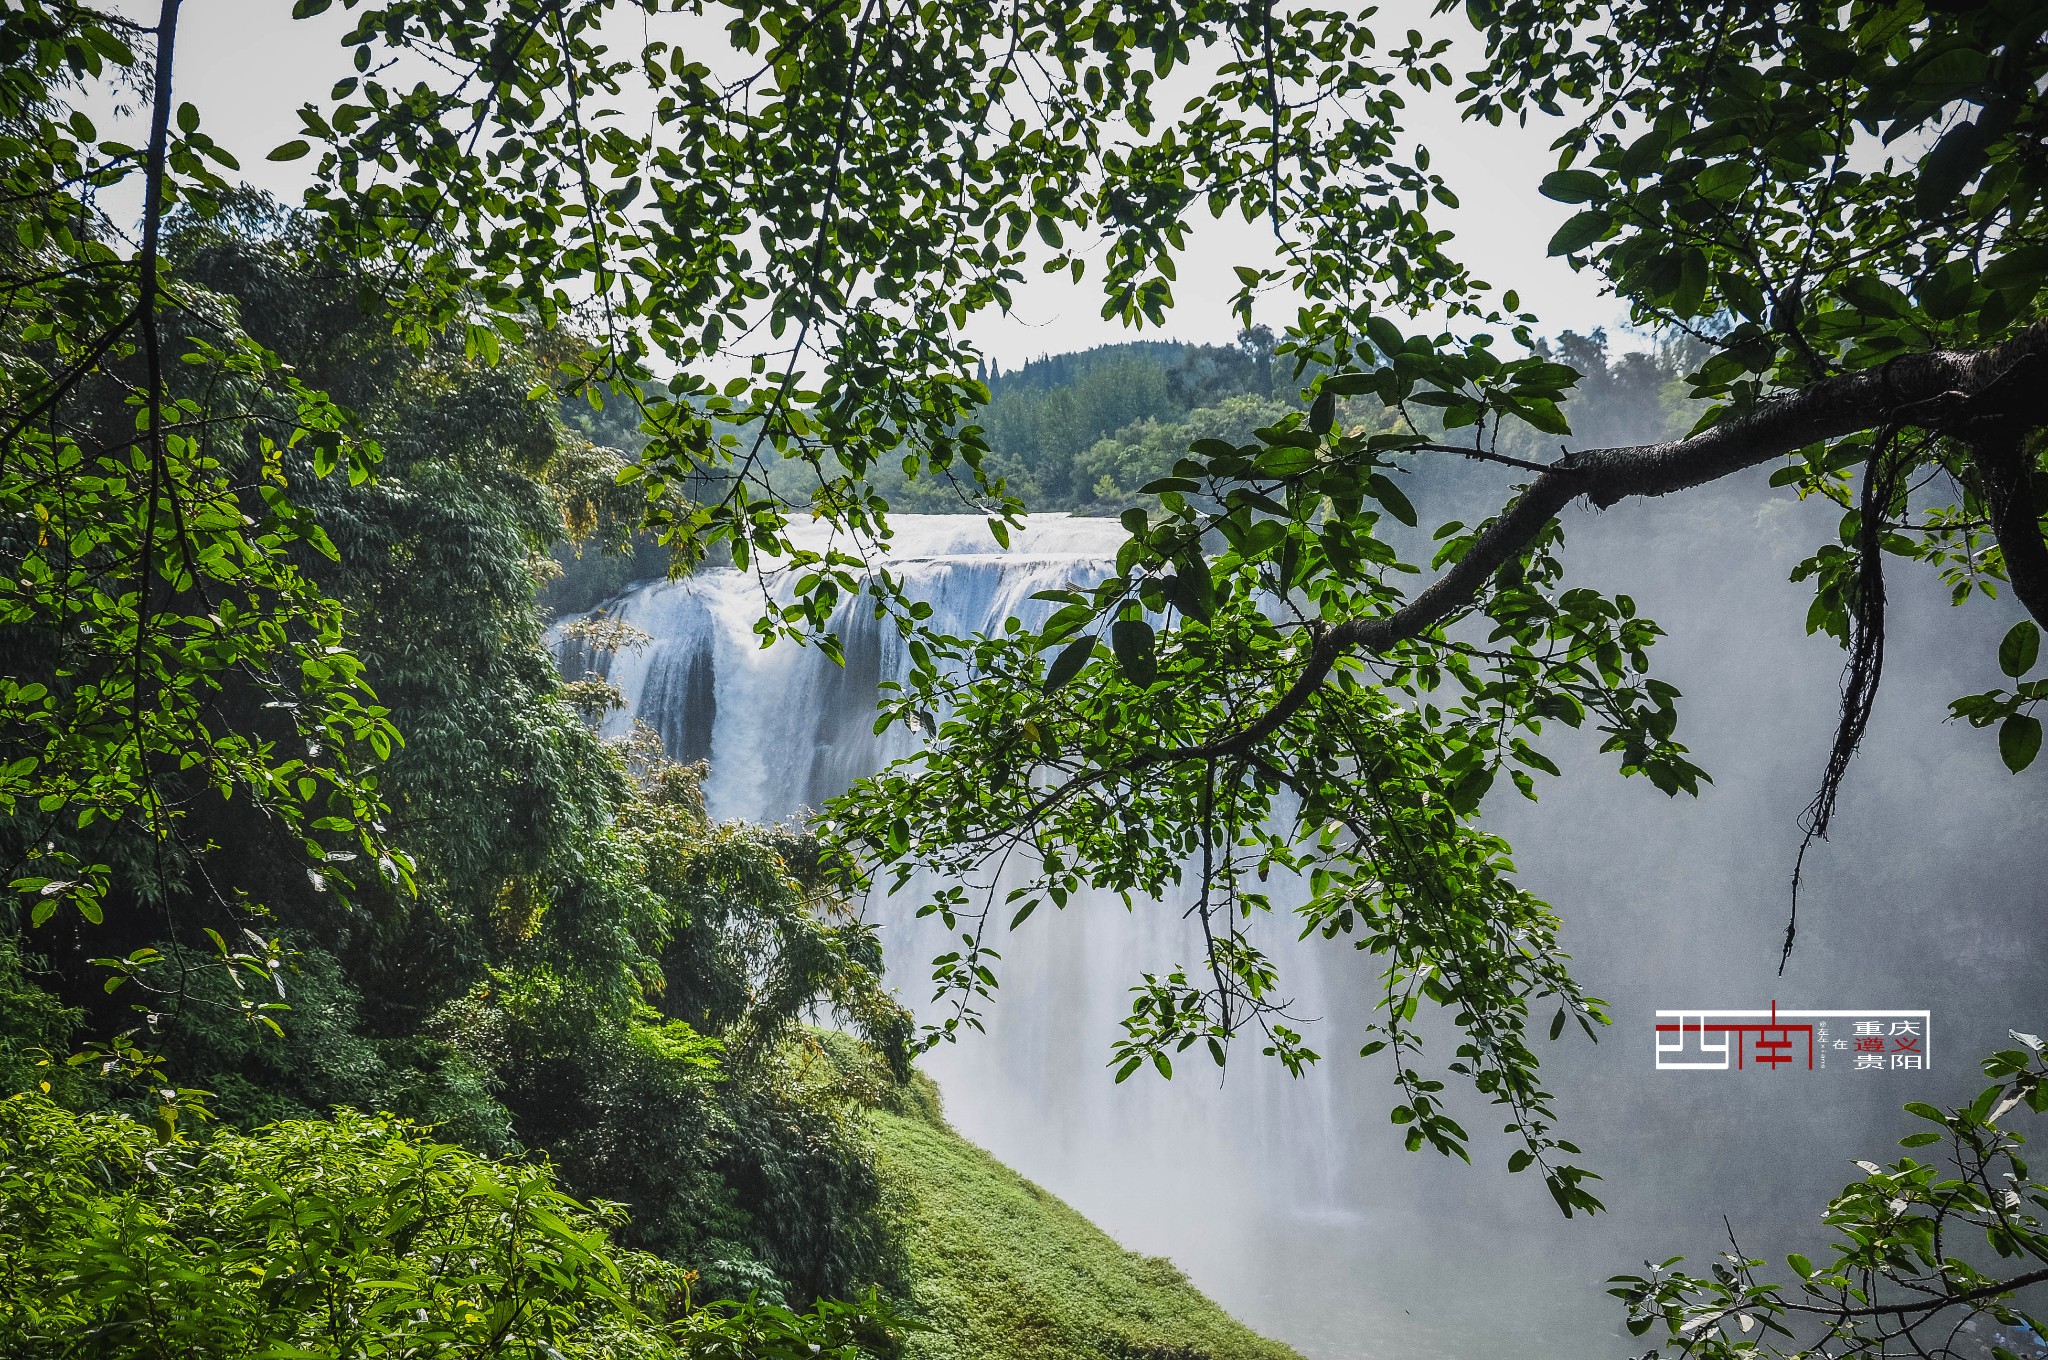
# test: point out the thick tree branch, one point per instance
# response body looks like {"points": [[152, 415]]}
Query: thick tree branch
{"points": [[1999, 448], [1942, 390], [1933, 1305]]}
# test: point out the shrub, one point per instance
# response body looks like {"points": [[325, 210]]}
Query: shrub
{"points": [[354, 1237]]}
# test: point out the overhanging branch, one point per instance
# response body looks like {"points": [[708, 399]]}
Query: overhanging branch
{"points": [[1942, 390], [1993, 1290]]}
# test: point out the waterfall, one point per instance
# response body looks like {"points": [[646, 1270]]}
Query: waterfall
{"points": [[1290, 1201], [785, 729]]}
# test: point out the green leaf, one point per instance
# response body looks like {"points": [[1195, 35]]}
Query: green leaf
{"points": [[1545, 415], [1953, 163], [1068, 664], [2022, 646], [1350, 384], [1692, 284], [1580, 231], [1386, 493], [1723, 179], [1385, 335], [2019, 741], [1874, 297], [1193, 593], [1132, 639], [2019, 271], [1572, 186], [1323, 414]]}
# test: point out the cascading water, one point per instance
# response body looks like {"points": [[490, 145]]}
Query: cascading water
{"points": [[785, 728], [1290, 1202]]}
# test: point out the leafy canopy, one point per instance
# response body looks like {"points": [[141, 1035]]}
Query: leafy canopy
{"points": [[770, 224], [1843, 211]]}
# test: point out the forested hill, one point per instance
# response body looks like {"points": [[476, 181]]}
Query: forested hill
{"points": [[1082, 431], [1069, 367], [1044, 421]]}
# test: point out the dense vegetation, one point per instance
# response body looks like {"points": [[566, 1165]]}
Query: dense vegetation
{"points": [[343, 1237], [574, 961], [277, 730]]}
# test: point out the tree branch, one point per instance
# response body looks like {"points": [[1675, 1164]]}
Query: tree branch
{"points": [[147, 292], [1481, 455], [1942, 390], [2000, 452], [1933, 1305]]}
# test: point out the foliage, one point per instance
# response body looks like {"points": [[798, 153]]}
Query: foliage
{"points": [[753, 1175], [1000, 1267], [1043, 421], [1277, 676], [1899, 1281], [748, 945], [1040, 434], [153, 553], [498, 784], [502, 993], [1144, 451], [356, 1236], [321, 1054], [35, 1033], [865, 242]]}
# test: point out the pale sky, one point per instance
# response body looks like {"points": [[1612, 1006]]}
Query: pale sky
{"points": [[248, 66]]}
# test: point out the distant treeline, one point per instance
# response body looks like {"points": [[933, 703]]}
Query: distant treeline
{"points": [[1083, 431]]}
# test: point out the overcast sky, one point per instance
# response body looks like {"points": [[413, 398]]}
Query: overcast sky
{"points": [[248, 66]]}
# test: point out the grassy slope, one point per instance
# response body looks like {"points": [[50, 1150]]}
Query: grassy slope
{"points": [[1001, 1270]]}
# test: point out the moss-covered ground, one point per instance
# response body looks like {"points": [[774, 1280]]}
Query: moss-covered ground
{"points": [[1001, 1270]]}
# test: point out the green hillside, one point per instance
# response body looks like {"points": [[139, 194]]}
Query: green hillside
{"points": [[1002, 1270]]}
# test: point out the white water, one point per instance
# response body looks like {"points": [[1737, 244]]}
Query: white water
{"points": [[788, 729], [1290, 1201]]}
